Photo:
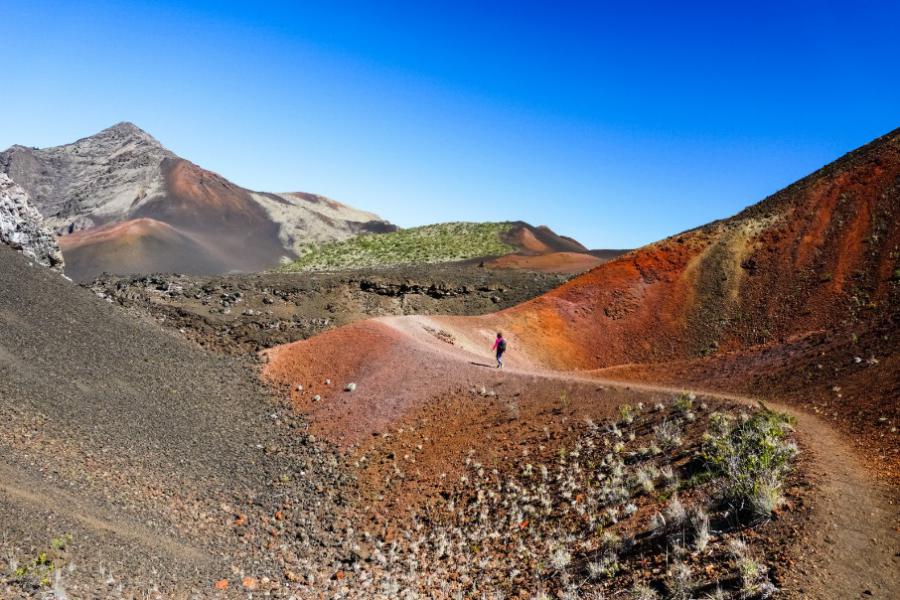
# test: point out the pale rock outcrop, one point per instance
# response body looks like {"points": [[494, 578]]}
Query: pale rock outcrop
{"points": [[22, 227]]}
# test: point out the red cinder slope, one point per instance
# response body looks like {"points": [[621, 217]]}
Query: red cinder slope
{"points": [[820, 254], [790, 300]]}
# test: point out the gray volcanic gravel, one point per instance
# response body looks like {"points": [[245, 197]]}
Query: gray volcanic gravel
{"points": [[165, 463]]}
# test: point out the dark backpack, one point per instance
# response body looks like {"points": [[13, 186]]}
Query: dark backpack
{"points": [[501, 347]]}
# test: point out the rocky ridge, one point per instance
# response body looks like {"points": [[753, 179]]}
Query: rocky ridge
{"points": [[237, 314], [92, 181]]}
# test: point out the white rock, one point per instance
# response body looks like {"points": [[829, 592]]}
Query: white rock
{"points": [[350, 387], [22, 227]]}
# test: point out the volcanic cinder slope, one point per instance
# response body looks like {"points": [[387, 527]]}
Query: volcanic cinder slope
{"points": [[796, 297], [125, 204], [819, 256], [163, 463], [792, 301]]}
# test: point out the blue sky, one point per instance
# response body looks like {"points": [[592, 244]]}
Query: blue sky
{"points": [[617, 123]]}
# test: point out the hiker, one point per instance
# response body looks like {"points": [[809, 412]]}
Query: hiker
{"points": [[500, 347]]}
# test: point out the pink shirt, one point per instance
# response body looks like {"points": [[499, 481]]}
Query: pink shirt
{"points": [[497, 343]]}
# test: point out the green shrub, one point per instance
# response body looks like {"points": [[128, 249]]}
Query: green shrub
{"points": [[626, 414], [752, 455], [684, 401]]}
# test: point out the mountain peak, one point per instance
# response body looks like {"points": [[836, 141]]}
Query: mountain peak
{"points": [[126, 126], [127, 130]]}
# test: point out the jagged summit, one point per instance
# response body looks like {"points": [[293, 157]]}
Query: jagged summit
{"points": [[125, 131], [92, 181], [125, 126], [113, 194]]}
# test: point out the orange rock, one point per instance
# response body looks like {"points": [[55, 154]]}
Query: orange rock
{"points": [[240, 520], [221, 584], [279, 516], [340, 575], [250, 583]]}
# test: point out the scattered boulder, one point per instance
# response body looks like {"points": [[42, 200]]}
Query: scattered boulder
{"points": [[22, 227], [350, 387]]}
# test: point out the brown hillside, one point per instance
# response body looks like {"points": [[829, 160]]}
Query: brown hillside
{"points": [[123, 174], [141, 245]]}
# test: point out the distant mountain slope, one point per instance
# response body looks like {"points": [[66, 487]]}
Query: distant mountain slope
{"points": [[517, 242], [123, 174]]}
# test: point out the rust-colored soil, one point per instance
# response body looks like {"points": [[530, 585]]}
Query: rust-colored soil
{"points": [[820, 257], [553, 262], [794, 300], [138, 246]]}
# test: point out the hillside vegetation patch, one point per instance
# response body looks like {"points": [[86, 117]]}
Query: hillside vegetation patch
{"points": [[612, 510], [443, 242]]}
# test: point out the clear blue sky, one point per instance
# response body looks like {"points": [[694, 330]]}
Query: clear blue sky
{"points": [[617, 123]]}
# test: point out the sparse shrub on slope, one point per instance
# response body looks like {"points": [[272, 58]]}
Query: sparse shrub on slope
{"points": [[444, 242], [753, 454], [589, 519]]}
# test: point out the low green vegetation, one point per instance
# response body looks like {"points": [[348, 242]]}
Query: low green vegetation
{"points": [[41, 569], [443, 242], [752, 454]]}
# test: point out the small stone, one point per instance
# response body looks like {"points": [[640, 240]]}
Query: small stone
{"points": [[250, 583], [350, 387], [221, 584]]}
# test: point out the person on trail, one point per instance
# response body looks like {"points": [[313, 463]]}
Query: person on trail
{"points": [[500, 348]]}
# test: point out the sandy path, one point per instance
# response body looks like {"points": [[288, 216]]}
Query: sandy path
{"points": [[854, 550], [41, 498]]}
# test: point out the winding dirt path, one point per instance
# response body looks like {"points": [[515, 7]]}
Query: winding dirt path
{"points": [[851, 548]]}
